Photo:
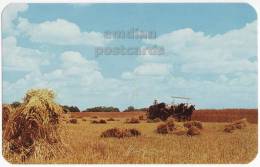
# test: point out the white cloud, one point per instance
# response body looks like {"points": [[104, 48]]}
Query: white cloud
{"points": [[79, 81], [71, 58], [76, 80], [76, 66], [147, 57], [214, 71], [127, 75], [10, 14], [148, 70], [220, 67], [60, 32], [224, 53], [20, 58], [153, 69]]}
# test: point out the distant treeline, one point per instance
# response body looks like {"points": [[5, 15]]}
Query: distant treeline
{"points": [[93, 109], [70, 109], [113, 109], [102, 109], [132, 109]]}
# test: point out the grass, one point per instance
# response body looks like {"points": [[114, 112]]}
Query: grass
{"points": [[132, 121], [209, 115], [120, 133], [213, 146], [225, 115], [108, 114]]}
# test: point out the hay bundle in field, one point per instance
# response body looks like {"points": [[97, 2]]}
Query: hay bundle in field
{"points": [[134, 132], [242, 123], [167, 127], [141, 117], [101, 121], [95, 122], [84, 119], [114, 132], [175, 127], [73, 121], [153, 120], [34, 123], [162, 129], [132, 121], [197, 124], [239, 124], [180, 131], [171, 127], [193, 130], [110, 119], [7, 112], [120, 133], [229, 128]]}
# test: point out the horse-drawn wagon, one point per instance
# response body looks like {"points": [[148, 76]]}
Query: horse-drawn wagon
{"points": [[181, 111]]}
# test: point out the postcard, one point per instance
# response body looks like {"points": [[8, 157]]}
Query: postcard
{"points": [[129, 83]]}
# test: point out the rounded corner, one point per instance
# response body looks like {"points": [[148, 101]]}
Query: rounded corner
{"points": [[252, 161], [4, 8], [250, 5], [5, 160]]}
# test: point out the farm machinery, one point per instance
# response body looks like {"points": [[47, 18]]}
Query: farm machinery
{"points": [[180, 111]]}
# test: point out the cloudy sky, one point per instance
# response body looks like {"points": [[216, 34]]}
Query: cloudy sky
{"points": [[210, 54]]}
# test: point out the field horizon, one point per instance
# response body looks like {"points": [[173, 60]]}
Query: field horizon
{"points": [[205, 115], [81, 135]]}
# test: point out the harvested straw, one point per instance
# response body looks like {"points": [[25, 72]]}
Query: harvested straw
{"points": [[162, 129], [7, 112], [141, 117], [120, 133], [110, 119], [95, 122], [242, 123], [73, 121], [34, 125], [114, 132], [153, 120], [132, 121], [134, 132], [239, 124], [101, 121], [171, 127], [180, 131], [193, 130], [189, 124]]}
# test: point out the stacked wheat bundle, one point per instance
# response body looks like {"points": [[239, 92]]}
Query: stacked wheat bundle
{"points": [[171, 127], [132, 121], [7, 111], [120, 133], [190, 128], [239, 124], [33, 130]]}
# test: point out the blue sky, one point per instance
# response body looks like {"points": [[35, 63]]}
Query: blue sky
{"points": [[210, 54]]}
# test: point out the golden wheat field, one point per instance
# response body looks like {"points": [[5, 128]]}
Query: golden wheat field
{"points": [[212, 146], [39, 131]]}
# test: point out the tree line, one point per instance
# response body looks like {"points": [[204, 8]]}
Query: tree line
{"points": [[93, 109]]}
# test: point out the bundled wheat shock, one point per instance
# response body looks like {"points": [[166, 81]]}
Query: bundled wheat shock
{"points": [[7, 111], [33, 130]]}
